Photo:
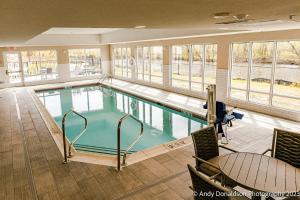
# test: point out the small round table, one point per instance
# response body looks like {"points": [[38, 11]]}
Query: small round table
{"points": [[260, 173]]}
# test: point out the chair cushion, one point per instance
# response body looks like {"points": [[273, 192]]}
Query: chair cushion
{"points": [[210, 171]]}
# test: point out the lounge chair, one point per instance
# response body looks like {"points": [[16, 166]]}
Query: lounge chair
{"points": [[203, 185], [286, 147], [207, 152]]}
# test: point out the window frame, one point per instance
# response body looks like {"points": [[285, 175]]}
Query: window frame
{"points": [[250, 65], [150, 64], [203, 66], [39, 62], [124, 68], [85, 75]]}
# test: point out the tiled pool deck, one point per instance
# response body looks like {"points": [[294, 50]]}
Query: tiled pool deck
{"points": [[31, 164]]}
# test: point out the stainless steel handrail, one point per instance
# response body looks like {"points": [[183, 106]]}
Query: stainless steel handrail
{"points": [[102, 79], [76, 138], [100, 83], [119, 139]]}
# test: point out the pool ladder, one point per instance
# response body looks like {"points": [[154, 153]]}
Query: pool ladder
{"points": [[130, 146], [68, 154], [102, 79], [100, 83]]}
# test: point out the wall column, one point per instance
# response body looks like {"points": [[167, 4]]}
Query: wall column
{"points": [[222, 70], [134, 65], [166, 66], [63, 69], [106, 60]]}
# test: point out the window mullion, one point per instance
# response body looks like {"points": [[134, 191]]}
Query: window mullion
{"points": [[203, 65], [230, 69], [274, 62], [249, 69], [150, 62], [122, 59], [190, 66], [127, 63], [143, 59]]}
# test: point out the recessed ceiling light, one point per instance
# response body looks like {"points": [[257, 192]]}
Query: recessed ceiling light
{"points": [[140, 27], [221, 15]]}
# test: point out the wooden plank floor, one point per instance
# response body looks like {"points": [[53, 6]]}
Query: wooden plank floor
{"points": [[31, 164]]}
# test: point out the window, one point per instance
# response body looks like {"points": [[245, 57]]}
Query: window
{"points": [[210, 64], [150, 64], [39, 65], [194, 66], [180, 66], [239, 70], [123, 62], [197, 68], [266, 73], [261, 69], [118, 61], [85, 62], [286, 89]]}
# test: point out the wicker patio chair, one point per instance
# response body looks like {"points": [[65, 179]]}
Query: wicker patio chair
{"points": [[203, 185], [207, 152], [286, 147]]}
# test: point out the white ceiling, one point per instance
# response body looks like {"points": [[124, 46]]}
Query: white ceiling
{"points": [[23, 20]]}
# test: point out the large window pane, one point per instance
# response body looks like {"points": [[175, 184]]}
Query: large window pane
{"points": [[240, 65], [147, 63], [118, 61], [130, 62], [140, 63], [180, 66], [39, 65], [259, 98], [210, 64], [238, 94], [85, 62], [262, 55], [286, 103], [156, 64], [287, 72], [197, 68]]}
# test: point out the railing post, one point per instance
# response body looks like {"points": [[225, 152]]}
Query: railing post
{"points": [[65, 161], [64, 134], [211, 104], [119, 147], [119, 140]]}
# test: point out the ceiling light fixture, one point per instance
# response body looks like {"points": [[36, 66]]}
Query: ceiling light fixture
{"points": [[221, 15], [139, 27], [241, 17]]}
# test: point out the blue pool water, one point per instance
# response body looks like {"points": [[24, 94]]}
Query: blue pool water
{"points": [[104, 107]]}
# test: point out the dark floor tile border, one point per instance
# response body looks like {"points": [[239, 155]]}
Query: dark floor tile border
{"points": [[27, 160]]}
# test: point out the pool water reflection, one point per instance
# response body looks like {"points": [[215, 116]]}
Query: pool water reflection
{"points": [[103, 109]]}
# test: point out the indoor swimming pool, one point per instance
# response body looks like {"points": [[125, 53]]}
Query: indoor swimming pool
{"points": [[104, 107]]}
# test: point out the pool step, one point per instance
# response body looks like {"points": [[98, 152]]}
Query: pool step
{"points": [[95, 149]]}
